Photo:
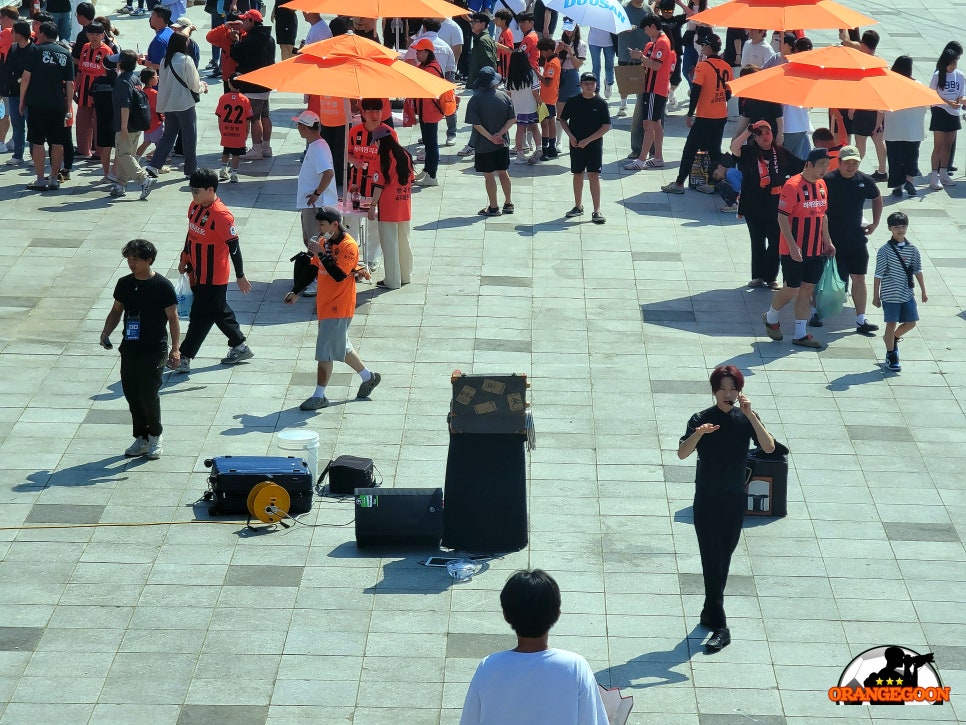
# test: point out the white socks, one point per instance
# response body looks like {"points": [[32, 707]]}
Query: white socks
{"points": [[800, 330], [772, 316], [365, 374], [319, 391]]}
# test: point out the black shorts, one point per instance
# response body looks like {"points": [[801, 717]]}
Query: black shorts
{"points": [[942, 121], [487, 162], [286, 26], [589, 159], [847, 123], [654, 106], [239, 151], [863, 123], [851, 257], [46, 125], [809, 270]]}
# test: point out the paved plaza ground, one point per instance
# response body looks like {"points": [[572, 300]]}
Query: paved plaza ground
{"points": [[160, 621]]}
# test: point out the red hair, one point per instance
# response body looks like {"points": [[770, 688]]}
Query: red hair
{"points": [[726, 371]]}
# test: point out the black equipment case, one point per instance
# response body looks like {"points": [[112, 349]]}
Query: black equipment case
{"points": [[488, 404], [767, 483], [233, 477], [409, 516], [347, 473]]}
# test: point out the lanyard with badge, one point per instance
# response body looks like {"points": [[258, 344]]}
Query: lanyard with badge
{"points": [[132, 323]]}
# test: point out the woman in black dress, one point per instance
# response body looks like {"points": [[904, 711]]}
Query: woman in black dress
{"points": [[721, 435]]}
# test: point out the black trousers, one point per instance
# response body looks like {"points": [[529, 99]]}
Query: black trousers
{"points": [[141, 381], [764, 257], [717, 522], [705, 135], [210, 307], [335, 137]]}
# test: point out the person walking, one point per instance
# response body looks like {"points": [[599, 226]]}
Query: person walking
{"points": [[147, 303], [126, 139], [392, 185], [721, 435]]}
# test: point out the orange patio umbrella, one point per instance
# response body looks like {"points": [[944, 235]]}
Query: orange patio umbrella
{"points": [[835, 77], [782, 15], [380, 8], [353, 46]]}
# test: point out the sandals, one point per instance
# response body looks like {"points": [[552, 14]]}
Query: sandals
{"points": [[490, 211], [508, 208]]}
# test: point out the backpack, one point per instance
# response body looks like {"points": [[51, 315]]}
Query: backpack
{"points": [[448, 103], [140, 113]]}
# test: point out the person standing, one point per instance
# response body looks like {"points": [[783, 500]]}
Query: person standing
{"points": [[316, 181], [160, 21], [256, 49], [659, 60], [585, 120], [950, 84], [147, 303], [90, 66], [904, 132], [804, 245], [286, 28], [601, 44], [707, 113], [430, 113], [14, 66], [178, 84], [482, 55], [721, 435], [549, 96], [392, 205], [490, 113], [848, 190], [627, 39], [764, 167], [126, 141], [46, 97], [757, 51], [533, 682], [336, 255], [363, 155], [211, 242]]}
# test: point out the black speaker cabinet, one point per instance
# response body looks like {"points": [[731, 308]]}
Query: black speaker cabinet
{"points": [[767, 488], [486, 493], [408, 516]]}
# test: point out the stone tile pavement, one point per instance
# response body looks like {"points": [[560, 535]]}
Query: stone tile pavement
{"points": [[128, 613]]}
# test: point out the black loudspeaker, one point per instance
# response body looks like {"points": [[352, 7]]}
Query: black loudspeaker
{"points": [[347, 473], [411, 516], [486, 493], [767, 486], [488, 404]]}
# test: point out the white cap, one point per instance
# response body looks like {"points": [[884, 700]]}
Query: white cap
{"points": [[308, 118]]}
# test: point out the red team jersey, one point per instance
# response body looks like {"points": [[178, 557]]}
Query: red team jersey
{"points": [[659, 81], [234, 111], [804, 203], [529, 46], [156, 118], [210, 228], [395, 204], [90, 66], [361, 145]]}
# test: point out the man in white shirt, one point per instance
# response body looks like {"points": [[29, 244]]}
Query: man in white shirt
{"points": [[757, 51], [318, 30], [533, 683], [316, 182], [797, 126]]}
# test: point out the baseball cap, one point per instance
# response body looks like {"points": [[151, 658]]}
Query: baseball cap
{"points": [[183, 22], [848, 153], [253, 15], [488, 78], [328, 214], [820, 153], [381, 132], [307, 118], [587, 76], [423, 44], [114, 58], [760, 125], [569, 25]]}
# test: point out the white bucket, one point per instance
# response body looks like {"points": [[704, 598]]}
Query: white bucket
{"points": [[304, 443]]}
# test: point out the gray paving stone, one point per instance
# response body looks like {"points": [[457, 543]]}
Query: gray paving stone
{"points": [[48, 513], [264, 576], [223, 714], [903, 531], [20, 639]]}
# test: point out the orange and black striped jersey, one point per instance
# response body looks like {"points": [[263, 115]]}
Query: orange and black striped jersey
{"points": [[90, 65], [210, 231], [804, 203], [362, 146], [659, 81]]}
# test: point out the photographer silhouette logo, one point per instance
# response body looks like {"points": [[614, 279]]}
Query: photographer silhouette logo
{"points": [[890, 675]]}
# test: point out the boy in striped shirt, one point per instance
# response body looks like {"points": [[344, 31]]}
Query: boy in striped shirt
{"points": [[896, 263]]}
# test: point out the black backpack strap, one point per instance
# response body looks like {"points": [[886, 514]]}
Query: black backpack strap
{"points": [[905, 267]]}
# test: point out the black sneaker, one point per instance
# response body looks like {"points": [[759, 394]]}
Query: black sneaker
{"points": [[576, 211], [880, 176], [897, 191], [816, 321], [597, 218], [910, 189], [366, 388], [552, 152], [867, 329], [892, 361]]}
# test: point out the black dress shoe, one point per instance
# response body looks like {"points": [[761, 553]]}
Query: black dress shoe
{"points": [[720, 639]]}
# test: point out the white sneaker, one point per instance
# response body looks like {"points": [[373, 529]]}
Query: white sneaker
{"points": [[14, 162], [672, 103], [255, 154], [233, 177], [635, 165], [4, 148], [521, 158], [466, 151], [421, 154], [608, 88], [420, 176], [428, 180], [934, 182], [312, 290], [622, 112], [223, 174], [138, 448], [946, 180], [266, 149], [146, 187], [155, 447]]}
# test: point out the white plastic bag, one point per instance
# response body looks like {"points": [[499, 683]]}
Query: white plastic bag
{"points": [[182, 289]]}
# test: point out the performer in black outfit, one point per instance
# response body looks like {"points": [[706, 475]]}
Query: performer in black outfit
{"points": [[721, 435]]}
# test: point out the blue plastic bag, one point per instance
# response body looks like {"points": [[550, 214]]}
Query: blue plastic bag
{"points": [[185, 296], [830, 291]]}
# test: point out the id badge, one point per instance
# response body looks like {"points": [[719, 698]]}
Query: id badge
{"points": [[132, 330]]}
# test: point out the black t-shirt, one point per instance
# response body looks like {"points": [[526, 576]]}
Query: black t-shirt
{"points": [[723, 454], [729, 53], [761, 199], [755, 110], [147, 300], [585, 116], [50, 66], [846, 199]]}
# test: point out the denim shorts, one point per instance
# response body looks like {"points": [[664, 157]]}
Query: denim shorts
{"points": [[900, 311]]}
